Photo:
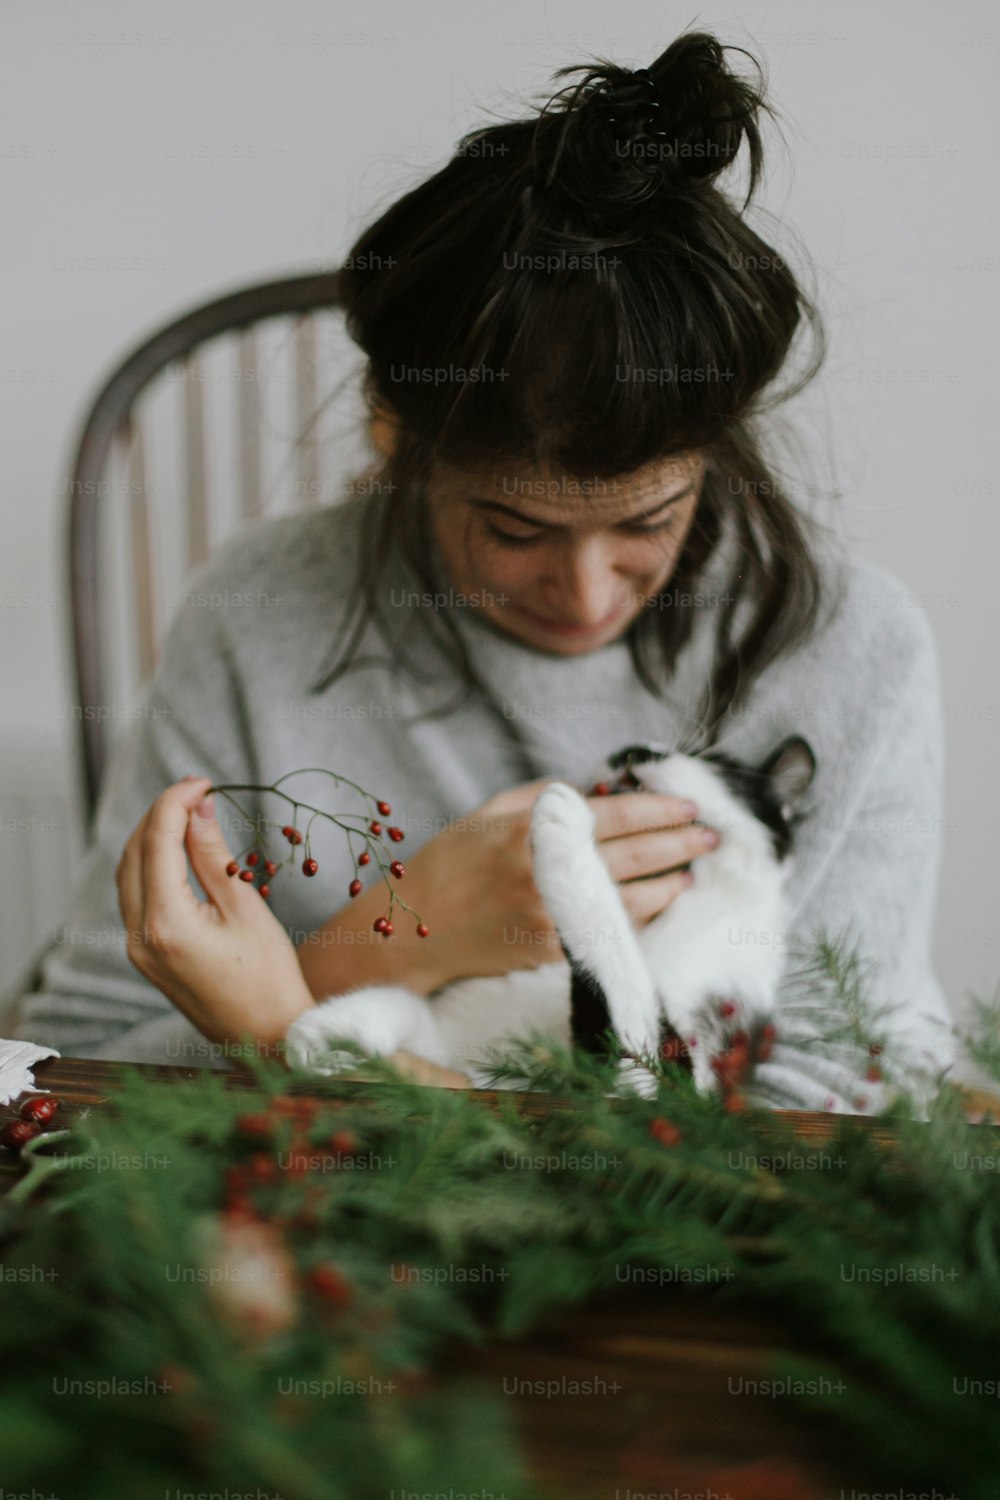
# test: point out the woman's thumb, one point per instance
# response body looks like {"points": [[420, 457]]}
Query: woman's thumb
{"points": [[209, 852]]}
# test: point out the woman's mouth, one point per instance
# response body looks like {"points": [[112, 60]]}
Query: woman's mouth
{"points": [[570, 628]]}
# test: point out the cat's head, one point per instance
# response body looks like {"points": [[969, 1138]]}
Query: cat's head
{"points": [[722, 787]]}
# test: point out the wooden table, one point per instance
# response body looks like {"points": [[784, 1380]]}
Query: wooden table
{"points": [[665, 1420]]}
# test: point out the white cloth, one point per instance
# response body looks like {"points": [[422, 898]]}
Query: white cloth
{"points": [[16, 1062]]}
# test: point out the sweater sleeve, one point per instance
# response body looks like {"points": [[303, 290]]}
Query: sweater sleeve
{"points": [[88, 998], [871, 884]]}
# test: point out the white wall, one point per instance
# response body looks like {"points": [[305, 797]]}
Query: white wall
{"points": [[152, 156]]}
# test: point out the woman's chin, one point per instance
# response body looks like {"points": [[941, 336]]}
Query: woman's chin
{"points": [[531, 631]]}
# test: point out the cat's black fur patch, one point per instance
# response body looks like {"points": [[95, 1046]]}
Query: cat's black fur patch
{"points": [[673, 1049], [633, 755], [591, 1021], [754, 789]]}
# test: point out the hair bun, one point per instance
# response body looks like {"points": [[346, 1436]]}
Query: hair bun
{"points": [[706, 109], [620, 135]]}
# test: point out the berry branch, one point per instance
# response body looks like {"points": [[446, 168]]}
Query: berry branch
{"points": [[257, 862]]}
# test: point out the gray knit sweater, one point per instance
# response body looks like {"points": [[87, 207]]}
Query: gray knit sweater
{"points": [[230, 699]]}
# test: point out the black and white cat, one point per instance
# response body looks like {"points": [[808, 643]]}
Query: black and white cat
{"points": [[681, 979]]}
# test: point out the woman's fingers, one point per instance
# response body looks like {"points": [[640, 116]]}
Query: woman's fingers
{"points": [[209, 854], [637, 812], [428, 1073], [516, 799], [643, 854], [164, 861], [645, 899], [128, 876]]}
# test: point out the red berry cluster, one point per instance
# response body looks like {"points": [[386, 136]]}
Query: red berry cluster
{"points": [[267, 1166], [734, 1064], [396, 868], [371, 834], [268, 868], [35, 1113], [665, 1131]]}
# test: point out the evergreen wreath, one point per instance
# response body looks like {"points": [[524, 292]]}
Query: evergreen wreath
{"points": [[205, 1266]]}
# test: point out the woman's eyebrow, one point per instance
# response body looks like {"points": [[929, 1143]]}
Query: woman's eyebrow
{"points": [[496, 505]]}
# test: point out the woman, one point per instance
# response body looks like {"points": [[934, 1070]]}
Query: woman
{"points": [[575, 542]]}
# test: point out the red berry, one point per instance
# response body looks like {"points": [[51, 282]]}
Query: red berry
{"points": [[309, 867], [384, 809], [265, 890], [253, 859], [287, 830], [601, 789], [727, 1008], [17, 1133], [735, 1104], [397, 835], [232, 867], [246, 874], [40, 1109], [422, 929], [344, 1142], [380, 924], [664, 1131], [295, 837], [375, 826], [354, 889], [731, 1066], [873, 1074], [398, 868], [255, 1124], [270, 868], [388, 930], [364, 858], [328, 1282], [263, 1168], [765, 1042]]}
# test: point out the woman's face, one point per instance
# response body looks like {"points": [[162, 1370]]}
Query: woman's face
{"points": [[563, 565]]}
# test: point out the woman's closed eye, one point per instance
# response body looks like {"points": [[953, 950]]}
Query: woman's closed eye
{"points": [[524, 539]]}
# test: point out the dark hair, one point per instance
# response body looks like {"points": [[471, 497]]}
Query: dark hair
{"points": [[560, 250]]}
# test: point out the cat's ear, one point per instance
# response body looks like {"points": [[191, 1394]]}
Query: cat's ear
{"points": [[790, 770]]}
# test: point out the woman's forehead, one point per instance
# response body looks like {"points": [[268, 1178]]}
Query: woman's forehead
{"points": [[549, 495]]}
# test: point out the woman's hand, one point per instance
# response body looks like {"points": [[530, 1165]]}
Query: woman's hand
{"points": [[644, 837], [226, 963], [474, 887]]}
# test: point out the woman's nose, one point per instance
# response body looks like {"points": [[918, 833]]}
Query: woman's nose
{"points": [[585, 587]]}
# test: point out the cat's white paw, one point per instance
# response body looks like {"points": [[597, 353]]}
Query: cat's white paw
{"points": [[562, 825], [378, 1020]]}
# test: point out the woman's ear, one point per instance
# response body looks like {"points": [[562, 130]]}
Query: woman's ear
{"points": [[383, 423], [790, 770]]}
